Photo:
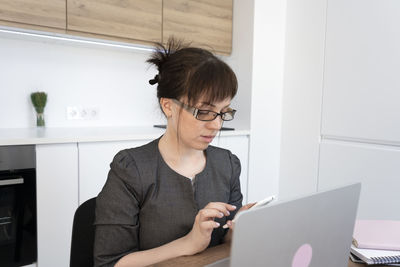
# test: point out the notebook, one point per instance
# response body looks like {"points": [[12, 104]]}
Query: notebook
{"points": [[376, 256], [310, 231], [356, 259], [377, 234]]}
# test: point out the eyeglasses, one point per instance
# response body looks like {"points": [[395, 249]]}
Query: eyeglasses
{"points": [[207, 115]]}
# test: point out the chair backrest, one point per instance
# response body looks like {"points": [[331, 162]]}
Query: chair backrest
{"points": [[83, 235]]}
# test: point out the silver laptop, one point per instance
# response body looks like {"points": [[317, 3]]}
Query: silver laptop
{"points": [[311, 231]]}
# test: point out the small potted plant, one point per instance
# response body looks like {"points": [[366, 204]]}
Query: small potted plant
{"points": [[39, 100]]}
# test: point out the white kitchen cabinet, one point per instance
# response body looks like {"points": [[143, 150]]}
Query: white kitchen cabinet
{"points": [[57, 200], [95, 159], [361, 71], [375, 166]]}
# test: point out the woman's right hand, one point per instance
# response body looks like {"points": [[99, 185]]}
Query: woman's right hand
{"points": [[245, 207], [199, 237]]}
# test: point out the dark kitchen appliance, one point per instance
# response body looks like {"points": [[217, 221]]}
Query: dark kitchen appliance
{"points": [[18, 234]]}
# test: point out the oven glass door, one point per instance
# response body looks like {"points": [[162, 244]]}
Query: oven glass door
{"points": [[9, 209], [18, 244]]}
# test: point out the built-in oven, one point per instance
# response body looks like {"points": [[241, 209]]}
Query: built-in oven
{"points": [[18, 234]]}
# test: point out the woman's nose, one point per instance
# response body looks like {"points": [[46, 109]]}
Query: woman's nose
{"points": [[215, 124]]}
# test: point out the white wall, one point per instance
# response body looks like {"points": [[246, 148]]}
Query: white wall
{"points": [[241, 60], [74, 75], [302, 96], [267, 87], [114, 80]]}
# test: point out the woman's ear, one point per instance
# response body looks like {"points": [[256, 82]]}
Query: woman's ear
{"points": [[166, 106]]}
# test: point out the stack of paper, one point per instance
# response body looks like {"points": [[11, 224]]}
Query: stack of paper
{"points": [[377, 242], [375, 256]]}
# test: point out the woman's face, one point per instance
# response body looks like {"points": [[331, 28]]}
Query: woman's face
{"points": [[194, 133]]}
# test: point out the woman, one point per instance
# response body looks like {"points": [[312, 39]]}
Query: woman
{"points": [[171, 197]]}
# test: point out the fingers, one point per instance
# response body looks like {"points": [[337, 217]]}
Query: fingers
{"points": [[248, 206], [214, 210], [210, 225], [206, 221], [229, 224], [222, 207], [209, 213]]}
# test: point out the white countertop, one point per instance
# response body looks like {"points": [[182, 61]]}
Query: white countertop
{"points": [[33, 136]]}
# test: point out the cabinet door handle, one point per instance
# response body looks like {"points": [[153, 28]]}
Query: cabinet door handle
{"points": [[12, 181], [5, 220]]}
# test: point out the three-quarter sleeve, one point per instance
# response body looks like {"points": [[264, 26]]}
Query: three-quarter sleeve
{"points": [[117, 210], [236, 196]]}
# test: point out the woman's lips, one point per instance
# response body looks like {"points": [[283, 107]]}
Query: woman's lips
{"points": [[208, 138]]}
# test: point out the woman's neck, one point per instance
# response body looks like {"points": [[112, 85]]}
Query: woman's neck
{"points": [[177, 149], [184, 160]]}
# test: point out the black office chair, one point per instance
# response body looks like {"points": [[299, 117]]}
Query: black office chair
{"points": [[83, 235]]}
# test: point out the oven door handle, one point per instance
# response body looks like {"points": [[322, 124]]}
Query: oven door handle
{"points": [[5, 220], [12, 181]]}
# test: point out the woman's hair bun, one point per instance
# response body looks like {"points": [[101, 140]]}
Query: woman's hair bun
{"points": [[154, 80], [162, 54]]}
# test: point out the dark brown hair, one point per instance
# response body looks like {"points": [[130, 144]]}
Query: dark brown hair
{"points": [[191, 72]]}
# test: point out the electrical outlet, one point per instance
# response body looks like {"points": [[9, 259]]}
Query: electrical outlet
{"points": [[82, 113], [73, 113]]}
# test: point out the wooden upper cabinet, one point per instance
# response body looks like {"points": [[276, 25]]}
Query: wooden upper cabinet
{"points": [[132, 19], [48, 13], [206, 23]]}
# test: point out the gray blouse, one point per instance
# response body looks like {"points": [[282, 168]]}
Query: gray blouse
{"points": [[145, 204]]}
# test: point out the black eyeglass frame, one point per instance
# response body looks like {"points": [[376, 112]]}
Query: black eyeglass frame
{"points": [[195, 111]]}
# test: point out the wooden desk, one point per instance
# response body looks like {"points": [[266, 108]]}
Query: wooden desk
{"points": [[206, 257], [213, 254]]}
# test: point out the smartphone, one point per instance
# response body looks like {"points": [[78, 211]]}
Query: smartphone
{"points": [[260, 203], [264, 202]]}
